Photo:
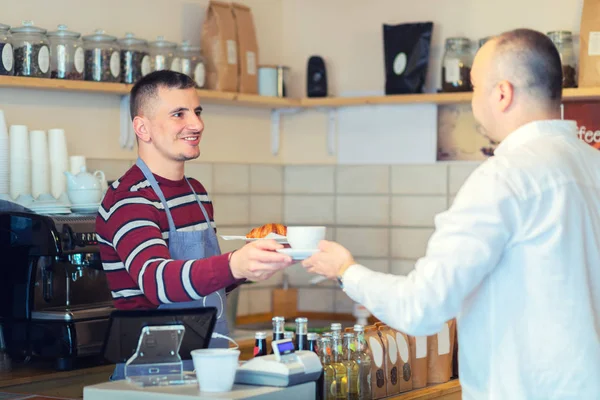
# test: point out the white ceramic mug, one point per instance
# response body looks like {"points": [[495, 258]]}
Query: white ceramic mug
{"points": [[215, 368], [305, 237]]}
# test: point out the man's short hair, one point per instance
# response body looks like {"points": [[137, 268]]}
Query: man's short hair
{"points": [[147, 88], [535, 60]]}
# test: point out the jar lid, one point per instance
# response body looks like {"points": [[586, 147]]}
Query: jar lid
{"points": [[4, 27], [186, 46], [462, 41], [62, 31], [560, 36], [130, 40], [28, 27], [161, 42], [99, 36]]}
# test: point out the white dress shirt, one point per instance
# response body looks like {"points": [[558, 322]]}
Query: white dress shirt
{"points": [[516, 259]]}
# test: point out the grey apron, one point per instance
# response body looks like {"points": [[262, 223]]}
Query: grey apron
{"points": [[192, 245]]}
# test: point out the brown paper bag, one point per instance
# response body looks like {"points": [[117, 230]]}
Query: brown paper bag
{"points": [[404, 361], [589, 42], [392, 370], [377, 353], [441, 348], [247, 49], [219, 47], [419, 356]]}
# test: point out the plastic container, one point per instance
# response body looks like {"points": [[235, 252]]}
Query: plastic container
{"points": [[456, 65], [135, 59], [102, 58], [162, 54], [192, 63], [66, 54], [6, 51], [31, 51]]}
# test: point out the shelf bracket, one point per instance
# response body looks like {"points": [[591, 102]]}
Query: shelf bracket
{"points": [[276, 127], [332, 117]]}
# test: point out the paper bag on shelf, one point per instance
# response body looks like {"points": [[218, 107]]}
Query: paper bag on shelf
{"points": [[377, 353], [441, 348], [404, 361], [391, 360], [589, 45], [247, 49], [419, 356]]}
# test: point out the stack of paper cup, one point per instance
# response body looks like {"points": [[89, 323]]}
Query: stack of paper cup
{"points": [[59, 161], [4, 160], [20, 161], [40, 178], [76, 163]]}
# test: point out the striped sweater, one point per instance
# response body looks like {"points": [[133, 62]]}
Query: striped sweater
{"points": [[133, 235]]}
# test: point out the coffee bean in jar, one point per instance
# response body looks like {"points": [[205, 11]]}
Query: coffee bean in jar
{"points": [[66, 54], [6, 51], [102, 58], [563, 40], [31, 51], [135, 61], [456, 65]]}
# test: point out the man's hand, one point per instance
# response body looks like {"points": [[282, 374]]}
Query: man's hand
{"points": [[258, 260], [333, 260]]}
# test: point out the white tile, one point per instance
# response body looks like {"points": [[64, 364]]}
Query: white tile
{"points": [[419, 179], [202, 173], [231, 178], [260, 301], [266, 209], [410, 243], [363, 179], [375, 264], [231, 245], [368, 242], [363, 210], [231, 209], [308, 210], [402, 267], [308, 179], [459, 174], [318, 299], [416, 210], [342, 303], [266, 179], [274, 281], [113, 169], [243, 307]]}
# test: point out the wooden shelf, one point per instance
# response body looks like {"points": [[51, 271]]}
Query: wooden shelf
{"points": [[252, 100]]}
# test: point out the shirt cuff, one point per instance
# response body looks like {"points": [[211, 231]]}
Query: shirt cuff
{"points": [[352, 277]]}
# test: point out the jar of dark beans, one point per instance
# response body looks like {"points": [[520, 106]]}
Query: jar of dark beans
{"points": [[66, 54], [162, 54], [31, 51], [6, 51], [563, 40], [102, 58], [456, 65], [135, 60], [192, 63]]}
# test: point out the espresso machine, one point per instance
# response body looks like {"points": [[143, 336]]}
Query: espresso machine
{"points": [[54, 298]]}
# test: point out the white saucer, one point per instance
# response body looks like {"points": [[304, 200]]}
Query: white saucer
{"points": [[86, 209], [298, 254]]}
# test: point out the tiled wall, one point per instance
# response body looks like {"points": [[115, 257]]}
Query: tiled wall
{"points": [[383, 214]]}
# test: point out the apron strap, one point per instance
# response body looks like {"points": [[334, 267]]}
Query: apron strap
{"points": [[154, 184], [204, 212]]}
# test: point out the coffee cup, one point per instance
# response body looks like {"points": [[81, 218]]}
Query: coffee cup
{"points": [[215, 368], [305, 237]]}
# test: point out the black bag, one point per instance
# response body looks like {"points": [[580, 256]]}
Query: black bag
{"points": [[406, 48]]}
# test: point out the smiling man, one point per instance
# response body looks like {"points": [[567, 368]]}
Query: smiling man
{"points": [[155, 227]]}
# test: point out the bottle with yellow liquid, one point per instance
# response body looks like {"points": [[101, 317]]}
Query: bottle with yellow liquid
{"points": [[327, 381], [352, 369], [341, 377], [363, 359]]}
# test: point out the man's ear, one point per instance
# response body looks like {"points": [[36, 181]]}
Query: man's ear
{"points": [[140, 127], [505, 92]]}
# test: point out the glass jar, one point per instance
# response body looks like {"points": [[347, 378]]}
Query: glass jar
{"points": [[563, 40], [135, 60], [192, 63], [6, 51], [31, 51], [162, 54], [456, 65], [482, 41], [66, 54], [102, 58]]}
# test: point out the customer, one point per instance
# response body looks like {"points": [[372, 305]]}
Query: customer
{"points": [[516, 259]]}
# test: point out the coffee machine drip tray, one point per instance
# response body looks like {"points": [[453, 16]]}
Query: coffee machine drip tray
{"points": [[73, 313]]}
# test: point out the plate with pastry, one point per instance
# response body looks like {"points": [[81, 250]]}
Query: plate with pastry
{"points": [[273, 231]]}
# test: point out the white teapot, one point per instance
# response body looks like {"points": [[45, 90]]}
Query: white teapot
{"points": [[85, 188]]}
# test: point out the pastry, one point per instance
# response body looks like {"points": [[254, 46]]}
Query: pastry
{"points": [[262, 231]]}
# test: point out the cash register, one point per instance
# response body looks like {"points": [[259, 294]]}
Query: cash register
{"points": [[285, 367]]}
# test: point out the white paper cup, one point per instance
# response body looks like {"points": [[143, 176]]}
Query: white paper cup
{"points": [[305, 237], [215, 368], [76, 162]]}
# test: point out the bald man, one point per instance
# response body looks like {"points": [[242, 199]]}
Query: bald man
{"points": [[516, 258]]}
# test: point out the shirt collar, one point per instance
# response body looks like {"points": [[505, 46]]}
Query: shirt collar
{"points": [[534, 130]]}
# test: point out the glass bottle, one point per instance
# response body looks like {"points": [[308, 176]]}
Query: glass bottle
{"points": [[31, 51], [327, 381], [341, 377], [278, 328], [301, 334], [102, 58], [563, 40], [135, 61], [363, 359], [66, 54], [336, 330], [313, 342], [260, 344], [352, 368], [288, 335], [6, 51], [456, 65]]}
